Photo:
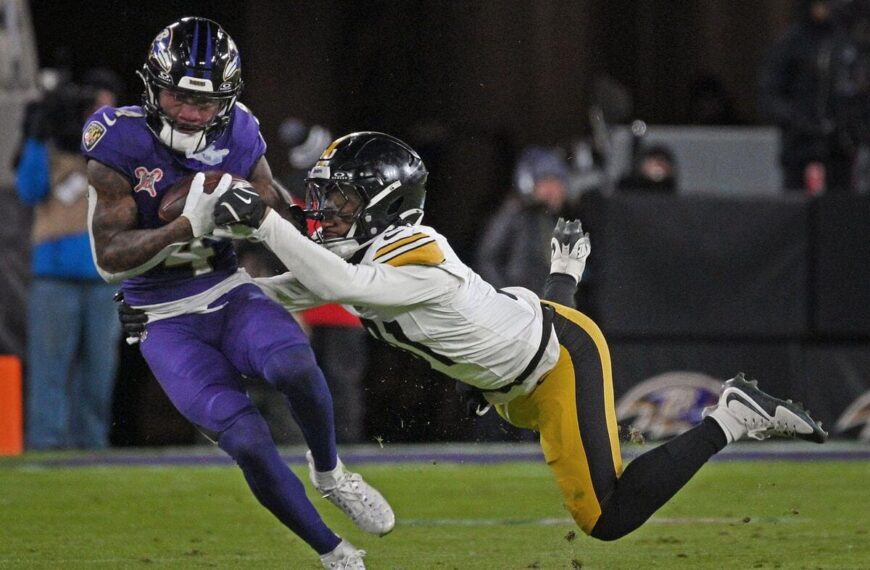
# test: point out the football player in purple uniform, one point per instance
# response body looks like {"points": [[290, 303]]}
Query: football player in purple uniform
{"points": [[208, 323]]}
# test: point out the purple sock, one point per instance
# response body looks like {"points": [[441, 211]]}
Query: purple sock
{"points": [[250, 444]]}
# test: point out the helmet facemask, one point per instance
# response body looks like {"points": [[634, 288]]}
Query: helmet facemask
{"points": [[335, 209]]}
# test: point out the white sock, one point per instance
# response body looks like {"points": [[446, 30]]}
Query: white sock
{"points": [[329, 479], [733, 428]]}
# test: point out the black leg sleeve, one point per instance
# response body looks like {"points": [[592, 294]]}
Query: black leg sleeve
{"points": [[653, 478]]}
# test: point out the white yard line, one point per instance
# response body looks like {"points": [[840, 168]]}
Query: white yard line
{"points": [[555, 521]]}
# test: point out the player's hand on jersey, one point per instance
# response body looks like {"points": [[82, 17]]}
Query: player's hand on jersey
{"points": [[472, 400], [199, 206], [133, 321], [569, 248], [241, 205]]}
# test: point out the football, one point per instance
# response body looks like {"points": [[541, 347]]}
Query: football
{"points": [[172, 202]]}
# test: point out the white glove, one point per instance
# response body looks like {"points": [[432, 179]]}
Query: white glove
{"points": [[569, 248], [199, 206]]}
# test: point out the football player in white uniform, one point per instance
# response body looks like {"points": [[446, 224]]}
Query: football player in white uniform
{"points": [[542, 365]]}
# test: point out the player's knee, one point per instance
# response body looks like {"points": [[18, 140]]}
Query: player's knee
{"points": [[294, 370], [611, 525], [600, 529], [606, 532], [215, 408], [246, 439]]}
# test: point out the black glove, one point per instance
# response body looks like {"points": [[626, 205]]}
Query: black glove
{"points": [[132, 320], [239, 205], [296, 216], [472, 400]]}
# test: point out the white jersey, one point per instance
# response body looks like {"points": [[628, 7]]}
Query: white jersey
{"points": [[411, 290]]}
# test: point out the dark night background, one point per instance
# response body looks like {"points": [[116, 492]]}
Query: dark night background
{"points": [[469, 84], [466, 83]]}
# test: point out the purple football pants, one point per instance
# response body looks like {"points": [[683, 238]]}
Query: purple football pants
{"points": [[198, 359]]}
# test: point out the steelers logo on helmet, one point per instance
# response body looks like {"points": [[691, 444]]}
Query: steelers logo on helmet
{"points": [[198, 61], [371, 180]]}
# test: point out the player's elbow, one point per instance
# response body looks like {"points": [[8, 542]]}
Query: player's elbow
{"points": [[109, 261], [334, 293], [114, 265], [109, 271], [346, 291]]}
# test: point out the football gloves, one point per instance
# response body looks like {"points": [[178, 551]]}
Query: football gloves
{"points": [[296, 216], [199, 206], [472, 400], [569, 248], [132, 320], [241, 205]]}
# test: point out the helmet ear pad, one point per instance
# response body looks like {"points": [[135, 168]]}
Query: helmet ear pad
{"points": [[400, 206]]}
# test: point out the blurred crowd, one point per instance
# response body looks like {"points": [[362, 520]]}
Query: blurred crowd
{"points": [[815, 85]]}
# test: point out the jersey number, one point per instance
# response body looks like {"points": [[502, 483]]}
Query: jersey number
{"points": [[196, 254]]}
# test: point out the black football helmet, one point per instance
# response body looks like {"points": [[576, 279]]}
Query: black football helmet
{"points": [[387, 177], [196, 57]]}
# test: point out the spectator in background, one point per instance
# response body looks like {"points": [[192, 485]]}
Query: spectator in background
{"points": [[710, 103], [514, 246], [654, 171], [340, 343], [851, 88], [72, 329], [795, 93], [104, 86]]}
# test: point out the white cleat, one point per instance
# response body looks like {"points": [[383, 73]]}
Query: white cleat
{"points": [[744, 411], [348, 491], [345, 556]]}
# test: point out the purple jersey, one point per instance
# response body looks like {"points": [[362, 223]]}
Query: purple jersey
{"points": [[120, 139]]}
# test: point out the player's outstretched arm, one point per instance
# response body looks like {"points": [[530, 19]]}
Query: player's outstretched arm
{"points": [[120, 250]]}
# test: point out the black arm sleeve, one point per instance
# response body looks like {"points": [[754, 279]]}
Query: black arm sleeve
{"points": [[560, 288]]}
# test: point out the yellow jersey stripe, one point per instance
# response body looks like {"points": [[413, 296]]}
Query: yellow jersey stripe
{"points": [[426, 254], [397, 244]]}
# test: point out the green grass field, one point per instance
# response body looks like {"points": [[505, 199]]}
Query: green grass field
{"points": [[734, 514]]}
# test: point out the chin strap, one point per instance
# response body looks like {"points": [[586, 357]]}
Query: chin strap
{"points": [[347, 247]]}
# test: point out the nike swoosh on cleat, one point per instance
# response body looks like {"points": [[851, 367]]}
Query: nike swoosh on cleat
{"points": [[746, 401], [242, 198]]}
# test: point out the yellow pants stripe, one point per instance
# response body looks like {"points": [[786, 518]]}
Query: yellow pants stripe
{"points": [[573, 409]]}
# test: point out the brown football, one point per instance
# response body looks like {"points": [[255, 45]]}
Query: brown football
{"points": [[172, 202]]}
